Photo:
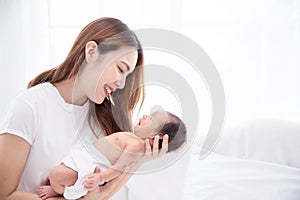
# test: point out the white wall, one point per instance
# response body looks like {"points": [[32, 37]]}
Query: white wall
{"points": [[254, 44]]}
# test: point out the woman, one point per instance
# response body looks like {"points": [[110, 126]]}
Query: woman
{"points": [[69, 104]]}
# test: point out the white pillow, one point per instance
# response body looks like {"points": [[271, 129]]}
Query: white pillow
{"points": [[271, 140]]}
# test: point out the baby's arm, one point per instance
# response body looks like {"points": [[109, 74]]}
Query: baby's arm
{"points": [[129, 156]]}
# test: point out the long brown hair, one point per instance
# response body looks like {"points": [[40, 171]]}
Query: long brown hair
{"points": [[110, 34]]}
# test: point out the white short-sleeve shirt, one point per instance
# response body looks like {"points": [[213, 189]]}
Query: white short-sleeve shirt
{"points": [[51, 126]]}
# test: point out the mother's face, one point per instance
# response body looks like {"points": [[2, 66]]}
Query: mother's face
{"points": [[109, 72], [114, 77]]}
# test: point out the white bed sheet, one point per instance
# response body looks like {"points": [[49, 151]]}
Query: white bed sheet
{"points": [[219, 177]]}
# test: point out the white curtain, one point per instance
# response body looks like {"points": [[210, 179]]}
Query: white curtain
{"points": [[25, 45], [254, 44]]}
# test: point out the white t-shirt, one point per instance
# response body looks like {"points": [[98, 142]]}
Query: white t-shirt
{"points": [[52, 128]]}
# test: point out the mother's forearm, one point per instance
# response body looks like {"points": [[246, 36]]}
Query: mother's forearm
{"points": [[110, 188], [107, 191], [22, 195]]}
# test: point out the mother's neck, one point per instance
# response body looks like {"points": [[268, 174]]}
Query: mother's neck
{"points": [[70, 93]]}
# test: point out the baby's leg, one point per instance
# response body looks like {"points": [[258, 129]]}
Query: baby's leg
{"points": [[60, 176]]}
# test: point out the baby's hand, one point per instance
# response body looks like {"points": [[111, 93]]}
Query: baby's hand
{"points": [[92, 182]]}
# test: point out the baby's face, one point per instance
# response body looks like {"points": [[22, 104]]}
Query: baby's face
{"points": [[148, 125]]}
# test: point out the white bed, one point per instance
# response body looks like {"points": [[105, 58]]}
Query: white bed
{"points": [[226, 178], [257, 160]]}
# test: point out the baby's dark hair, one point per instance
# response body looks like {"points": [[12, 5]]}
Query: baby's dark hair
{"points": [[176, 130]]}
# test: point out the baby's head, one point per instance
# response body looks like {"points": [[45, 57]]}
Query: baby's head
{"points": [[161, 123]]}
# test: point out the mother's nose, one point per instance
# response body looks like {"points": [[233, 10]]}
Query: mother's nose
{"points": [[121, 83]]}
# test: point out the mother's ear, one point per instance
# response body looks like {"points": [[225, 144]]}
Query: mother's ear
{"points": [[91, 51]]}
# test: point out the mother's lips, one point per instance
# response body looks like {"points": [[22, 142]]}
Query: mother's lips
{"points": [[110, 88]]}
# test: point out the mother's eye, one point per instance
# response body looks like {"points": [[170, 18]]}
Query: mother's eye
{"points": [[120, 69]]}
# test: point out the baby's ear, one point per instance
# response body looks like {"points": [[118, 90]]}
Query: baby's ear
{"points": [[157, 133], [160, 135]]}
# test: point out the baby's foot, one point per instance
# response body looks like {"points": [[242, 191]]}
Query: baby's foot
{"points": [[45, 192]]}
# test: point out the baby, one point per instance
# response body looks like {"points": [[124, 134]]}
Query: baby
{"points": [[76, 174]]}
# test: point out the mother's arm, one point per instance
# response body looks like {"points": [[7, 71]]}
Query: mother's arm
{"points": [[107, 191], [110, 188], [14, 153]]}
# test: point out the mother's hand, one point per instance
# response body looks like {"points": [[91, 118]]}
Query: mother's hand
{"points": [[155, 152]]}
